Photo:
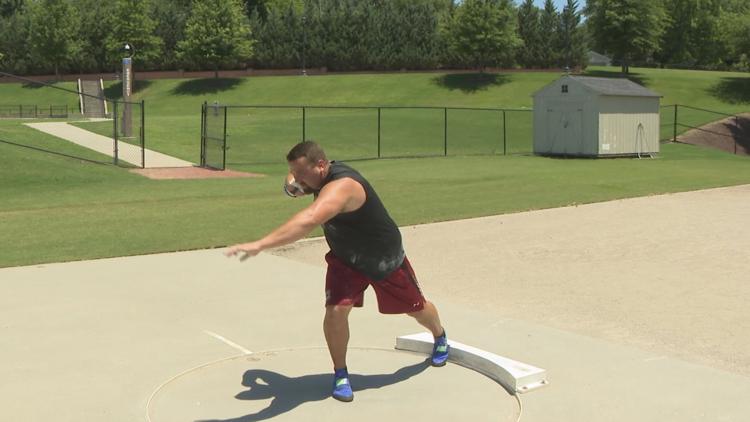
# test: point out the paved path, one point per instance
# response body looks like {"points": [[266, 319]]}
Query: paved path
{"points": [[105, 145]]}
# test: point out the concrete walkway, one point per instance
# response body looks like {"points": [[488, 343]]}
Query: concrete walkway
{"points": [[105, 145]]}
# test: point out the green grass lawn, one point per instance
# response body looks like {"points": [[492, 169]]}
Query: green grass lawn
{"points": [[59, 204], [261, 135], [57, 208]]}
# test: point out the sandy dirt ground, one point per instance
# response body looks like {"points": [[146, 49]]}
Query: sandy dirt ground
{"points": [[668, 274]]}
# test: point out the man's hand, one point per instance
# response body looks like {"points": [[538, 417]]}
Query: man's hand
{"points": [[245, 250], [294, 188]]}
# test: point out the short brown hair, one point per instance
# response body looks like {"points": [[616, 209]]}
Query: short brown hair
{"points": [[308, 149]]}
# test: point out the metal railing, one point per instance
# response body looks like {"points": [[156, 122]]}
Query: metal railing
{"points": [[679, 118], [24, 111]]}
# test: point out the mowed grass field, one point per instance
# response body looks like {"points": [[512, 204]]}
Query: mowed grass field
{"points": [[58, 202], [261, 135]]}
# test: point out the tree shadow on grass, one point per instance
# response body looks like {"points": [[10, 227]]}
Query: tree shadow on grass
{"points": [[29, 85], [732, 90], [41, 84], [470, 82], [638, 78], [114, 91], [206, 86], [6, 142]]}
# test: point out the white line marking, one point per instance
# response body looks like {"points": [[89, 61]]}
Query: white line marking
{"points": [[498, 322], [228, 342]]}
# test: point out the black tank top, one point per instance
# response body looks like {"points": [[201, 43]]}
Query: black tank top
{"points": [[366, 239]]}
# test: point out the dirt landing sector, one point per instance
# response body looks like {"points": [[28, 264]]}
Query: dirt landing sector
{"points": [[731, 134], [169, 173]]}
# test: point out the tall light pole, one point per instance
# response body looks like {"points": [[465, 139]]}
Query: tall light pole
{"points": [[127, 89], [304, 43]]}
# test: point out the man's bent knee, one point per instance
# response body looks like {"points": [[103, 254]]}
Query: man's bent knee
{"points": [[337, 311]]}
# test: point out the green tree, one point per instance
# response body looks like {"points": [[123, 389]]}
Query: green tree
{"points": [[351, 35], [571, 37], [530, 32], [548, 54], [691, 34], [256, 8], [53, 42], [14, 32], [10, 7], [483, 33], [131, 23], [630, 30], [217, 35], [735, 35], [94, 27], [675, 44], [171, 17], [279, 38]]}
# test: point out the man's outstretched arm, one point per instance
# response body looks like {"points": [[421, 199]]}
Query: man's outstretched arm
{"points": [[332, 200]]}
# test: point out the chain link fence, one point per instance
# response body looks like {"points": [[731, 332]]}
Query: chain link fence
{"points": [[121, 132], [728, 132], [262, 134], [259, 134], [213, 136]]}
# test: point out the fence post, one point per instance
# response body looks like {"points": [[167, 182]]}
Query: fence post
{"points": [[203, 134], [378, 132], [445, 132], [143, 134], [303, 123], [224, 145], [505, 136], [674, 131], [114, 121], [739, 131]]}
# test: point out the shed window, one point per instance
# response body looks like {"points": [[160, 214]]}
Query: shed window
{"points": [[565, 89]]}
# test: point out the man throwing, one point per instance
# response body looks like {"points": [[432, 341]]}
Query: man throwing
{"points": [[366, 250]]}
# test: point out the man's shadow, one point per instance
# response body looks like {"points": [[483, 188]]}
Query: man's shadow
{"points": [[288, 393]]}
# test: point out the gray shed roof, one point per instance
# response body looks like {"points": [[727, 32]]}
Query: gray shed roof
{"points": [[615, 86]]}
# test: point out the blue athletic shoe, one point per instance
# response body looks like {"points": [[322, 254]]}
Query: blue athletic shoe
{"points": [[440, 351], [342, 390]]}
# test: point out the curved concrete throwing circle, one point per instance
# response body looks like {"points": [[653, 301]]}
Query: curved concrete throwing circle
{"points": [[294, 385]]}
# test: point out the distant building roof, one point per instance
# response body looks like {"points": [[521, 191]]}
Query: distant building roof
{"points": [[597, 58], [615, 86]]}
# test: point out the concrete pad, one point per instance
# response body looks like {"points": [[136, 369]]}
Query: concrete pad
{"points": [[294, 385], [105, 145], [94, 340], [591, 379]]}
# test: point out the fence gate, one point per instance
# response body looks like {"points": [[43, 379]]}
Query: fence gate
{"points": [[213, 136]]}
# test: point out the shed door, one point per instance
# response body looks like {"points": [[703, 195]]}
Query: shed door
{"points": [[565, 129]]}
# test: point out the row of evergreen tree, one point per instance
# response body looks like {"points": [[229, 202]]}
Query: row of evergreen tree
{"points": [[81, 36], [88, 35]]}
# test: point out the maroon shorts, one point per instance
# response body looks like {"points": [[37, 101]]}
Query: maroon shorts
{"points": [[398, 293]]}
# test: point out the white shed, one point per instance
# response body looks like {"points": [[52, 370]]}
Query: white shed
{"points": [[596, 117]]}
